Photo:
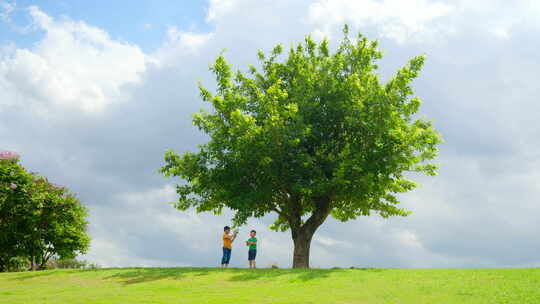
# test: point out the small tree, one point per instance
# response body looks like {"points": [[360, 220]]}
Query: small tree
{"points": [[38, 220], [314, 135], [59, 224]]}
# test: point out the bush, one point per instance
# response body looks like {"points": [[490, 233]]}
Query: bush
{"points": [[70, 264], [17, 264]]}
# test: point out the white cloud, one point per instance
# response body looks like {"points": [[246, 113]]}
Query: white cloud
{"points": [[395, 19], [6, 9], [114, 233], [501, 33], [181, 47], [109, 253], [188, 40], [75, 65], [218, 8]]}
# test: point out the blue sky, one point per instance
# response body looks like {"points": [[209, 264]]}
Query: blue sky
{"points": [[139, 22], [92, 95]]}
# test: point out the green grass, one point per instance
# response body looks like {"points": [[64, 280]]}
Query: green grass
{"points": [[209, 285]]}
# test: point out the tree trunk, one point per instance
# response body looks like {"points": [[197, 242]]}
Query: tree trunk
{"points": [[302, 243], [303, 233], [44, 260]]}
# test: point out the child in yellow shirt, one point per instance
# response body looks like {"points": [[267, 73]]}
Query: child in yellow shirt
{"points": [[227, 245]]}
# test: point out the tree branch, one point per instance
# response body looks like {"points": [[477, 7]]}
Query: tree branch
{"points": [[323, 207], [276, 209]]}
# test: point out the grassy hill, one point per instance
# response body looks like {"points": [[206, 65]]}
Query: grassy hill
{"points": [[210, 285]]}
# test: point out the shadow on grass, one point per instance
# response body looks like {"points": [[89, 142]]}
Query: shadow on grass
{"points": [[294, 274], [27, 275], [143, 275], [129, 276]]}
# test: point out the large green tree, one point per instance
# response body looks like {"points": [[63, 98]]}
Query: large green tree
{"points": [[312, 134], [38, 220]]}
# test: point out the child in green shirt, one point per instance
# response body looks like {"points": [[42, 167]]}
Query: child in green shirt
{"points": [[252, 252]]}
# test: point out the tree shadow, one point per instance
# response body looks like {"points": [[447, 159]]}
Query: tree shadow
{"points": [[131, 276], [294, 274], [143, 275], [27, 275]]}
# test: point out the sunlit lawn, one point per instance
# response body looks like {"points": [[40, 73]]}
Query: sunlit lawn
{"points": [[209, 285]]}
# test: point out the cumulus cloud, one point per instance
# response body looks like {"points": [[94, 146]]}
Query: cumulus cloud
{"points": [[95, 114], [75, 65], [394, 19], [217, 9], [181, 43]]}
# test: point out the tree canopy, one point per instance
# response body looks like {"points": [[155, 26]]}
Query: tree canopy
{"points": [[38, 219], [307, 135]]}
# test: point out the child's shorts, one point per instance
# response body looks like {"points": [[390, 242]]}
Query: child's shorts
{"points": [[251, 255]]}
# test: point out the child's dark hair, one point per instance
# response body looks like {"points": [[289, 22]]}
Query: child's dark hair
{"points": [[253, 231], [226, 228]]}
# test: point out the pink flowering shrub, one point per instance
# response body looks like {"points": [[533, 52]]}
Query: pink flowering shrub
{"points": [[9, 155], [13, 186]]}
